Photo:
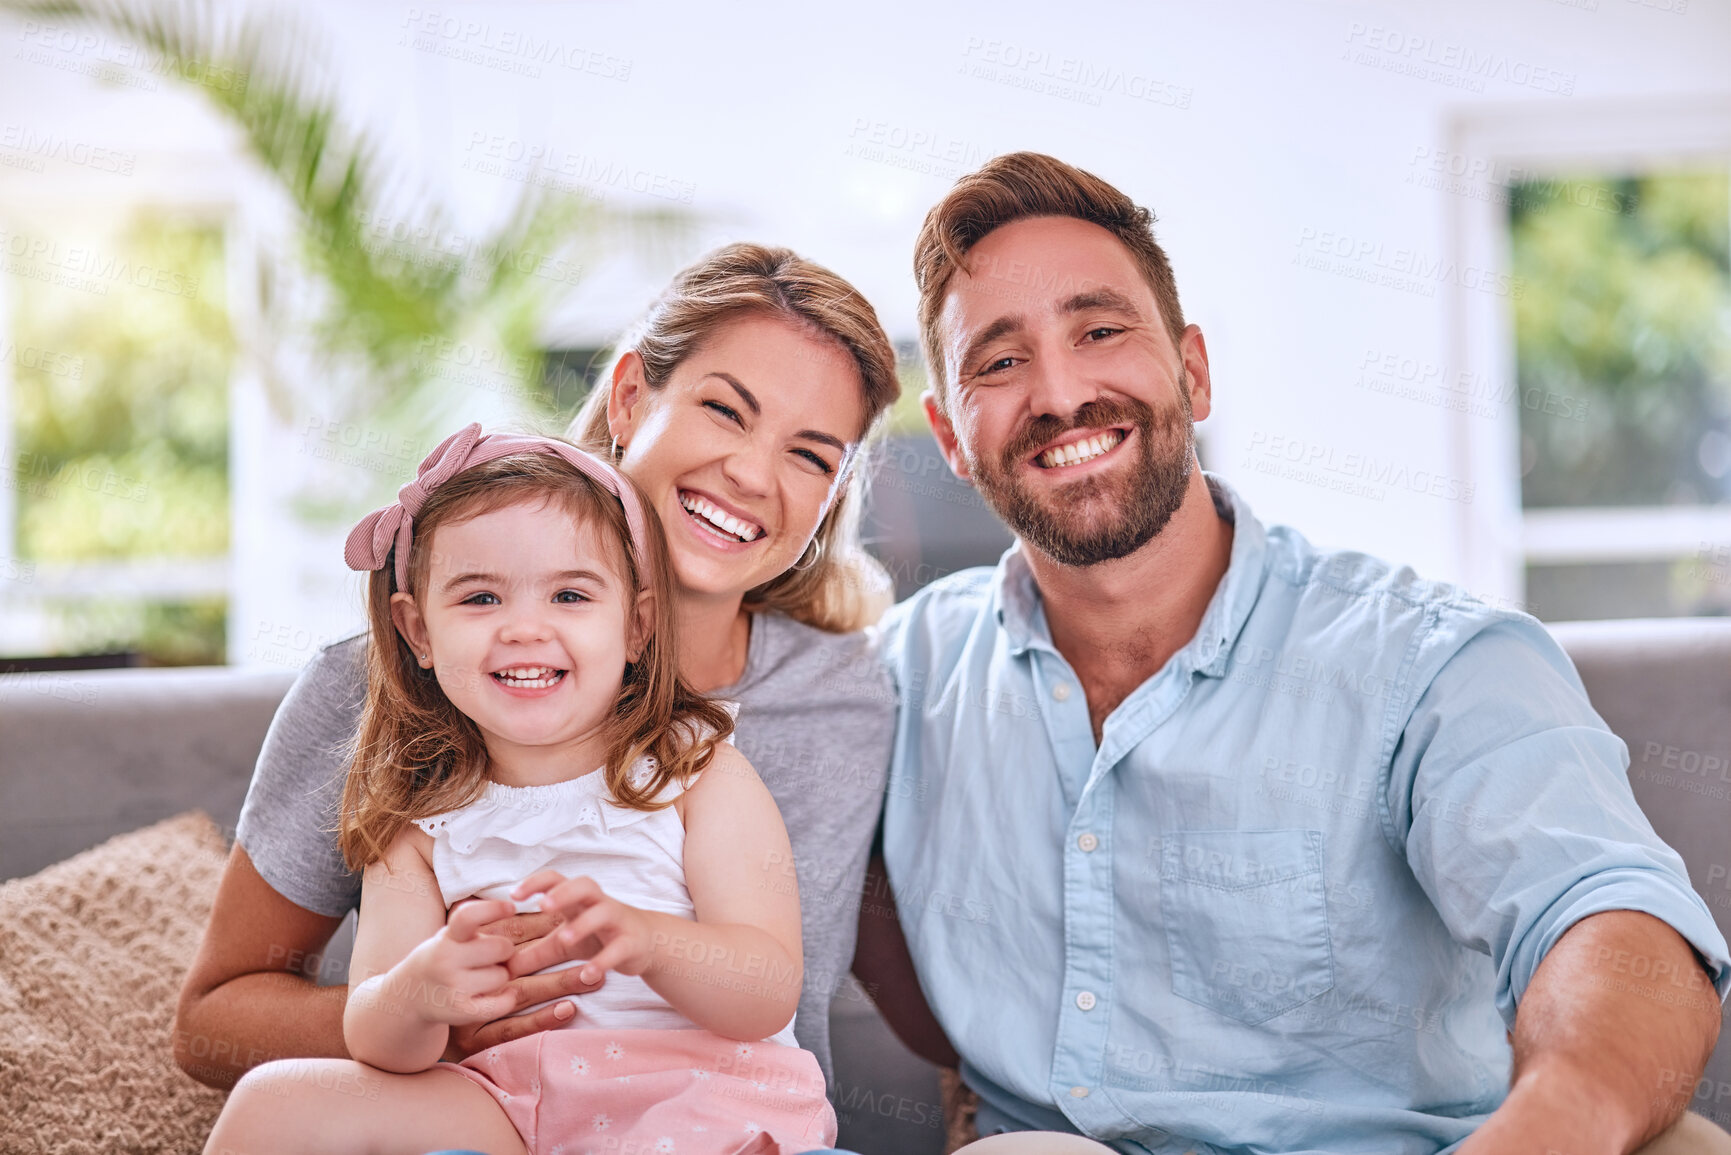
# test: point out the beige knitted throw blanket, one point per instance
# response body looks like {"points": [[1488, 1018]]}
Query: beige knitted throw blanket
{"points": [[92, 952]]}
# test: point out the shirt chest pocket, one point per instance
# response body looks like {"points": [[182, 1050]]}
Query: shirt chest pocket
{"points": [[1246, 919]]}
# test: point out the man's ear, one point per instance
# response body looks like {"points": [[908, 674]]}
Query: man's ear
{"points": [[945, 434], [406, 616], [625, 398], [641, 627], [1193, 351]]}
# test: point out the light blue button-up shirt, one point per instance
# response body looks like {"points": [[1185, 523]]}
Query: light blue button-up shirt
{"points": [[1290, 901]]}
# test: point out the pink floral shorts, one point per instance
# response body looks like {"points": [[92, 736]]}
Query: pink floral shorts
{"points": [[655, 1092]]}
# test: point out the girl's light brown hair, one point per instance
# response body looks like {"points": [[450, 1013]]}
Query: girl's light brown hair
{"points": [[416, 755], [1014, 187], [842, 587]]}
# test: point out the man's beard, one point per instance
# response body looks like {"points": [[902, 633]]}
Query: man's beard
{"points": [[1095, 519]]}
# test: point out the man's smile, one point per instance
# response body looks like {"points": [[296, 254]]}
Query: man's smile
{"points": [[1080, 446]]}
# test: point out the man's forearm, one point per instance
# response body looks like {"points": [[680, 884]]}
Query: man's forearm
{"points": [[254, 1018], [1610, 1037]]}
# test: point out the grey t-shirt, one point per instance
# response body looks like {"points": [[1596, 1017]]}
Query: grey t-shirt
{"points": [[816, 717]]}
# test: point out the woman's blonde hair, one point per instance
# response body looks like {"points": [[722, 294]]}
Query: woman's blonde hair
{"points": [[416, 755], [842, 588]]}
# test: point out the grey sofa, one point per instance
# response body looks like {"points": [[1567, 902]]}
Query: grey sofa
{"points": [[89, 755]]}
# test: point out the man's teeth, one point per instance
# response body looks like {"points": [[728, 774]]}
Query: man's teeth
{"points": [[1079, 451], [529, 677], [743, 530]]}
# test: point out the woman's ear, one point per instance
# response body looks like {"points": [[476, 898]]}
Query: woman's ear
{"points": [[641, 627], [625, 398], [406, 615]]}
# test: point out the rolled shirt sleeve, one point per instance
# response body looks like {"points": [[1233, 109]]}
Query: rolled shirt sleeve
{"points": [[1515, 805]]}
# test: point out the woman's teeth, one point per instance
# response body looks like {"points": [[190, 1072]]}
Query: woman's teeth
{"points": [[1079, 451], [529, 677], [698, 507]]}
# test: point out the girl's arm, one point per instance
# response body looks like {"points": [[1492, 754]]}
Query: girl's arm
{"points": [[413, 975], [738, 968]]}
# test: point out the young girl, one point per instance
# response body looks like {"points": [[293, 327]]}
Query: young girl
{"points": [[526, 734]]}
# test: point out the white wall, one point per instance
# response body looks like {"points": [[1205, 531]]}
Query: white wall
{"points": [[1263, 134]]}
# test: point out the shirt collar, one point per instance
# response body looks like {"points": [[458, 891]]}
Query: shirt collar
{"points": [[1022, 615]]}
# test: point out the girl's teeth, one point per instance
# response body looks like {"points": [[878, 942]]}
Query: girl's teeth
{"points": [[530, 677]]}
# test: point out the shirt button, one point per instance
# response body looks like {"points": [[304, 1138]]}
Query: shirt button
{"points": [[1061, 691], [1088, 843], [1078, 1092], [1085, 1000]]}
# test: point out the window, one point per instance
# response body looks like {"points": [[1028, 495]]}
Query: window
{"points": [[1603, 461], [119, 351], [1623, 368]]}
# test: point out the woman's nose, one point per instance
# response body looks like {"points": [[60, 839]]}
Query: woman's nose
{"points": [[749, 468]]}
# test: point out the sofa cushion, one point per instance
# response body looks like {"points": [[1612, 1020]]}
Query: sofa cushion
{"points": [[92, 953]]}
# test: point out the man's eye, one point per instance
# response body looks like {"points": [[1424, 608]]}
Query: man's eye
{"points": [[998, 366], [569, 597], [1102, 333], [475, 599], [730, 414]]}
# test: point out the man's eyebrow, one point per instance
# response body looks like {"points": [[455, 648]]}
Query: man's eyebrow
{"points": [[1100, 299], [744, 393], [1002, 327]]}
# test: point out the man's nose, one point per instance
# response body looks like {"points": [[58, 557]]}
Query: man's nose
{"points": [[1057, 386]]}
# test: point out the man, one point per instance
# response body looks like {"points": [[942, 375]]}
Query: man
{"points": [[1204, 839]]}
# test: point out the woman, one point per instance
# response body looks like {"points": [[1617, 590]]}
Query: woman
{"points": [[739, 404]]}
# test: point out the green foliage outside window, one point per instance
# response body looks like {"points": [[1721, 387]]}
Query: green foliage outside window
{"points": [[120, 430], [1624, 320]]}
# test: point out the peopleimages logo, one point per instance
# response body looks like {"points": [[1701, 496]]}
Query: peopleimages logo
{"points": [[1446, 62], [43, 146], [1362, 258], [1353, 473]]}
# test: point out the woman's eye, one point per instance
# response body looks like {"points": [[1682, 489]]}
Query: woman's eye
{"points": [[718, 407], [569, 597], [815, 460], [475, 599]]}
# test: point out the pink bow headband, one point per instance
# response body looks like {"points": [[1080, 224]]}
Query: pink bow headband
{"points": [[369, 544]]}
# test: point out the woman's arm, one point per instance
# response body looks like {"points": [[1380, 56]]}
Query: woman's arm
{"points": [[244, 1000], [737, 969], [884, 967], [413, 975]]}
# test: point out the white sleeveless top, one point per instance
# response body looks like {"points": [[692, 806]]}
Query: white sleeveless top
{"points": [[486, 848]]}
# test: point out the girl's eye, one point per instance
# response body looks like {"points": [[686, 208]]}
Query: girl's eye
{"points": [[816, 460], [569, 597], [718, 407], [475, 599]]}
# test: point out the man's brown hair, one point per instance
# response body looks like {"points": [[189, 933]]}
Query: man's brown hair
{"points": [[1014, 187]]}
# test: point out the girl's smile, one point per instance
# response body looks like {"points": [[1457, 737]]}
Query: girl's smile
{"points": [[528, 625]]}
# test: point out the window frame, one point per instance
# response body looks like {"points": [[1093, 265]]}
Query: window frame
{"points": [[1497, 538]]}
